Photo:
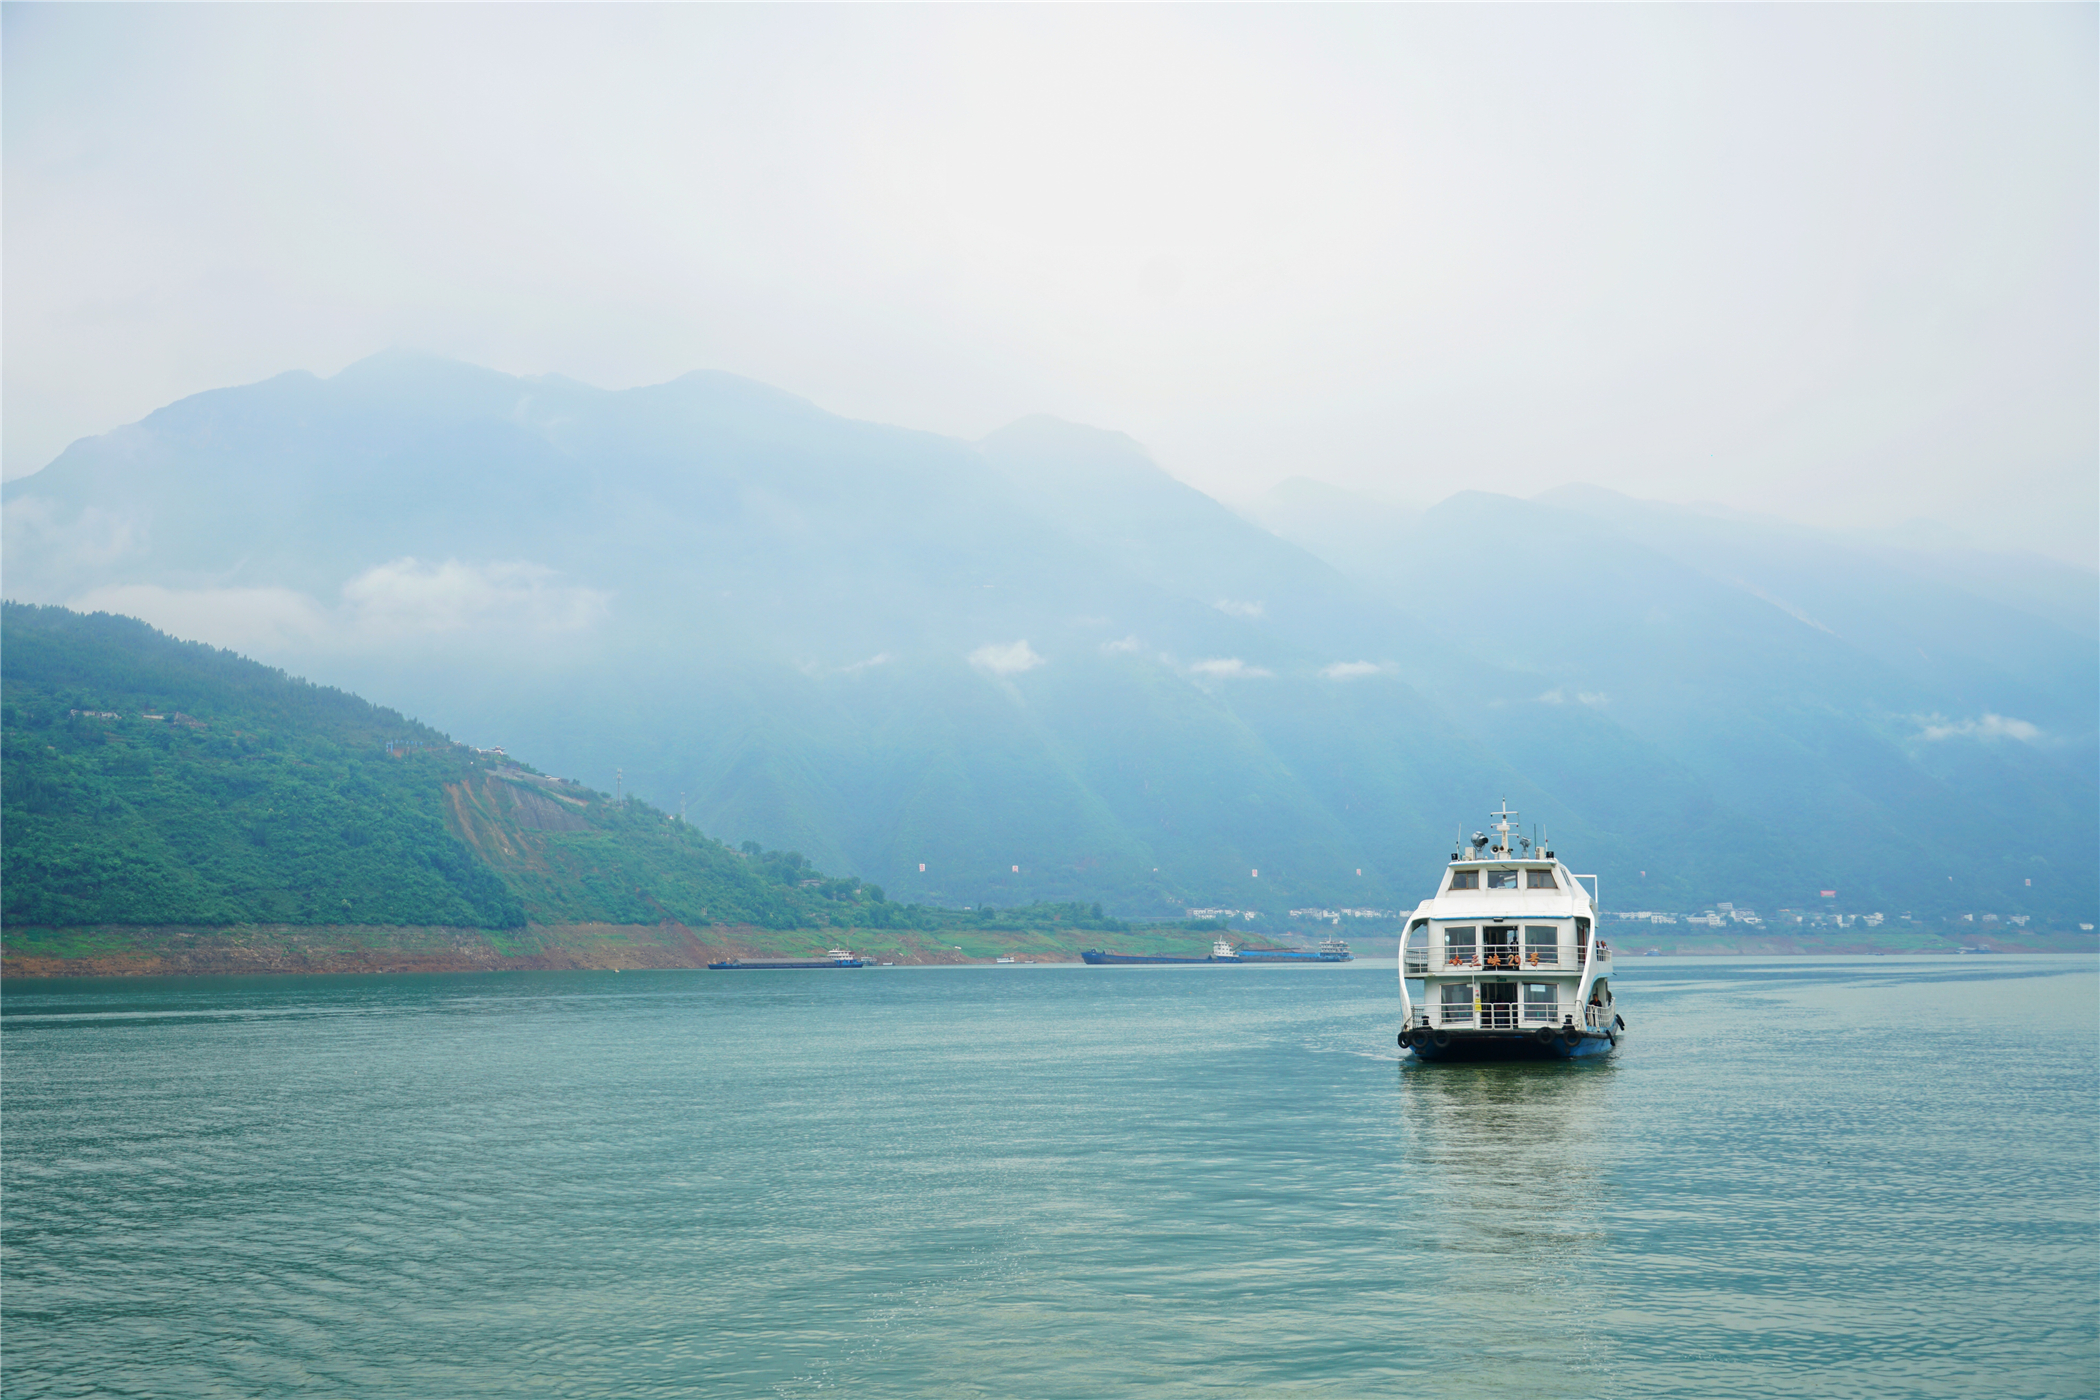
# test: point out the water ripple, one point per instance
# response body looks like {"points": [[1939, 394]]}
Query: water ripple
{"points": [[1874, 1178]]}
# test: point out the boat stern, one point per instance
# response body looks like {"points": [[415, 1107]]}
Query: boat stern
{"points": [[1566, 1042]]}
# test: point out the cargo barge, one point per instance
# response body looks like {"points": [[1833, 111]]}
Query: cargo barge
{"points": [[1220, 952], [1331, 950], [837, 957]]}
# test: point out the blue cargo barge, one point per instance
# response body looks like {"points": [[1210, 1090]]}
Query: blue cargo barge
{"points": [[1220, 952], [1332, 950]]}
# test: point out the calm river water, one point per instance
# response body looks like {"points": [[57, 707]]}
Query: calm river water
{"points": [[1877, 1177]]}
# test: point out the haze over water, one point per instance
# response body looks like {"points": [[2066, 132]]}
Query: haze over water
{"points": [[1872, 1177]]}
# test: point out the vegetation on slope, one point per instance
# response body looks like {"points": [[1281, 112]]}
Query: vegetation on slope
{"points": [[147, 781]]}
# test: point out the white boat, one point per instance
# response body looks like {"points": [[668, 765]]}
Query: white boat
{"points": [[1509, 958]]}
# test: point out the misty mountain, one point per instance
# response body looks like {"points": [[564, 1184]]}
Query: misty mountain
{"points": [[1920, 703], [885, 648]]}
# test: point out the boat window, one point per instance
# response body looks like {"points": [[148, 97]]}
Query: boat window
{"points": [[1541, 944], [1465, 879], [1458, 1001], [1540, 880], [1458, 946], [1502, 879], [1541, 1001]]}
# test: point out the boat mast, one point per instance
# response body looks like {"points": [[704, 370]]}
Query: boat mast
{"points": [[1502, 826]]}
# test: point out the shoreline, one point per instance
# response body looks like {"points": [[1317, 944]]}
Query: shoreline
{"points": [[33, 953], [260, 949]]}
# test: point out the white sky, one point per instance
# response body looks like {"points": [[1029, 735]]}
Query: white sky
{"points": [[1832, 263]]}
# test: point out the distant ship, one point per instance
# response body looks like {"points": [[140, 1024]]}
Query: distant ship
{"points": [[1220, 952], [1508, 958], [836, 957], [1330, 950]]}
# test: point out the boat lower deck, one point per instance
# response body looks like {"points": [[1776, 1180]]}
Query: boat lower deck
{"points": [[1539, 1043]]}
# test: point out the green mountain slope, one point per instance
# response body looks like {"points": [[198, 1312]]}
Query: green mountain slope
{"points": [[149, 781]]}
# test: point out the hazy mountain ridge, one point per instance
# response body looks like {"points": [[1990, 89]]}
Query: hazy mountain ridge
{"points": [[884, 648]]}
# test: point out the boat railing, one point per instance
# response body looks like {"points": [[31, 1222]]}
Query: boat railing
{"points": [[1510, 960], [1598, 1018], [1495, 1015]]}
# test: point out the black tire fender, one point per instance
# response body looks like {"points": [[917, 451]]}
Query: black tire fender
{"points": [[1442, 1039], [1543, 1035]]}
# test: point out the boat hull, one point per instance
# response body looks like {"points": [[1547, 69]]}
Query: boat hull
{"points": [[1472, 1046]]}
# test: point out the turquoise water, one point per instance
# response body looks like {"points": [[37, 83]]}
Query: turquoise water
{"points": [[1866, 1178]]}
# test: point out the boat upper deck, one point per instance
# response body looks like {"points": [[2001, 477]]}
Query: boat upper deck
{"points": [[1490, 888], [1504, 906]]}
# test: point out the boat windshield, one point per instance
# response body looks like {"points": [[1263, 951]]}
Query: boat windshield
{"points": [[1503, 879], [1541, 880]]}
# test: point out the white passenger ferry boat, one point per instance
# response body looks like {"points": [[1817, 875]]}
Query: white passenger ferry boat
{"points": [[1509, 959]]}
